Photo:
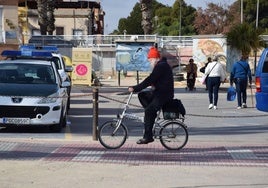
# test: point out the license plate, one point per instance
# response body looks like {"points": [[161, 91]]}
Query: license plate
{"points": [[17, 121]]}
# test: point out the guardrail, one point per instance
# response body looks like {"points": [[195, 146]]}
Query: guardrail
{"points": [[108, 40]]}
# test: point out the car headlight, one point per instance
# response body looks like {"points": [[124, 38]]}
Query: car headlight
{"points": [[50, 99]]}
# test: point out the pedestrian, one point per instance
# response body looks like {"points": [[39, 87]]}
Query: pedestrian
{"points": [[204, 68], [216, 76], [191, 70], [162, 84], [241, 75]]}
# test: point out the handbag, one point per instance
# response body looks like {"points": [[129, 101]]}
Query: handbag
{"points": [[203, 69], [204, 79], [231, 94]]}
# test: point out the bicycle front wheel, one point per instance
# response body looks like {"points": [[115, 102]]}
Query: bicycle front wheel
{"points": [[173, 135], [111, 138]]}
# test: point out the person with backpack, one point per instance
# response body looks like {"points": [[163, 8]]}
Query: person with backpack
{"points": [[241, 75]]}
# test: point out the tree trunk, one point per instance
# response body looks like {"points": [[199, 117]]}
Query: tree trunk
{"points": [[146, 8], [42, 16], [50, 17]]}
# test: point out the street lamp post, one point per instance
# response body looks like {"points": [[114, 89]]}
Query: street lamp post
{"points": [[241, 11], [180, 21], [257, 22]]}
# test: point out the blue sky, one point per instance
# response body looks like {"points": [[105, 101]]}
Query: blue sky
{"points": [[116, 9]]}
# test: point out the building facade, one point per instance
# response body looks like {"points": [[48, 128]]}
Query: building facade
{"points": [[19, 20], [9, 29]]}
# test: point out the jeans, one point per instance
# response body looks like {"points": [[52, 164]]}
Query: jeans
{"points": [[213, 84], [241, 90], [151, 106]]}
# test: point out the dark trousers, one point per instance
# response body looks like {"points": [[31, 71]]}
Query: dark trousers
{"points": [[241, 90], [213, 84], [152, 104], [190, 80]]}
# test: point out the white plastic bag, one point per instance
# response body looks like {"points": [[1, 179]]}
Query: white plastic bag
{"points": [[203, 79]]}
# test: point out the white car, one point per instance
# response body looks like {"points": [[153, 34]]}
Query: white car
{"points": [[31, 91], [59, 62]]}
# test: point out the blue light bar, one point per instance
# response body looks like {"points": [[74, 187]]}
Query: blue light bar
{"points": [[26, 53], [43, 48]]}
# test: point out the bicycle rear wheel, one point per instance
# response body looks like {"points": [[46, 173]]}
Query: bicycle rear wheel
{"points": [[111, 139], [173, 135]]}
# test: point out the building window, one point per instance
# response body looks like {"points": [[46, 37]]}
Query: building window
{"points": [[77, 32], [59, 30], [77, 35]]}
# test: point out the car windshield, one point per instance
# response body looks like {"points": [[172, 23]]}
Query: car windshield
{"points": [[19, 73]]}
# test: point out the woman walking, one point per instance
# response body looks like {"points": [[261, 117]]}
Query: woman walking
{"points": [[216, 76]]}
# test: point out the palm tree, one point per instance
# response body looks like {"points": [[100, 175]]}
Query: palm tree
{"points": [[50, 16], [42, 15], [146, 9], [245, 38]]}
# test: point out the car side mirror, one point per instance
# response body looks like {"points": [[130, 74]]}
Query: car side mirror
{"points": [[69, 69]]}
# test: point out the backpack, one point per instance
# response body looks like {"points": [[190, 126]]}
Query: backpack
{"points": [[173, 109]]}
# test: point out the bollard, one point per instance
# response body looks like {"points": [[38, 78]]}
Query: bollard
{"points": [[118, 78], [95, 113], [138, 78]]}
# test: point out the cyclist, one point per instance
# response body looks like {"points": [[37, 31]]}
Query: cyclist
{"points": [[162, 83]]}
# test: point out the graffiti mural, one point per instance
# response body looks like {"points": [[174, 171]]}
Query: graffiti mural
{"points": [[132, 56], [209, 46]]}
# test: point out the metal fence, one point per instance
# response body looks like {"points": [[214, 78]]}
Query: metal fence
{"points": [[107, 40]]}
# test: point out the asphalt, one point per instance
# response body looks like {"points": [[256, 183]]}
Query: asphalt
{"points": [[226, 148]]}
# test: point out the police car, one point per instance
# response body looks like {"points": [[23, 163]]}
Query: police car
{"points": [[262, 82], [59, 62], [31, 90]]}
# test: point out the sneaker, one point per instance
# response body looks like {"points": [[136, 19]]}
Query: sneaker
{"points": [[244, 105], [210, 106], [215, 107], [239, 107]]}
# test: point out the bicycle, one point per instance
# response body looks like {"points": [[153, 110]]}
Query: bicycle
{"points": [[172, 133]]}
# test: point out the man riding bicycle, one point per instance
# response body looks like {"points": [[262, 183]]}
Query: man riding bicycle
{"points": [[162, 83]]}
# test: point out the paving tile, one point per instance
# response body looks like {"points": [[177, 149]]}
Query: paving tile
{"points": [[133, 154]]}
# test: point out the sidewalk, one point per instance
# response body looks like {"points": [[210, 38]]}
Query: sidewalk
{"points": [[87, 164]]}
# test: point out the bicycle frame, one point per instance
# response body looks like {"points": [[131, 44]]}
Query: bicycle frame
{"points": [[132, 116], [121, 116]]}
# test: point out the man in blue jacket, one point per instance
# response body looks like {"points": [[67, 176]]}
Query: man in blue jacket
{"points": [[241, 75], [162, 83]]}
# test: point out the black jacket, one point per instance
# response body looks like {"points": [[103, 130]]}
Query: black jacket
{"points": [[161, 79]]}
